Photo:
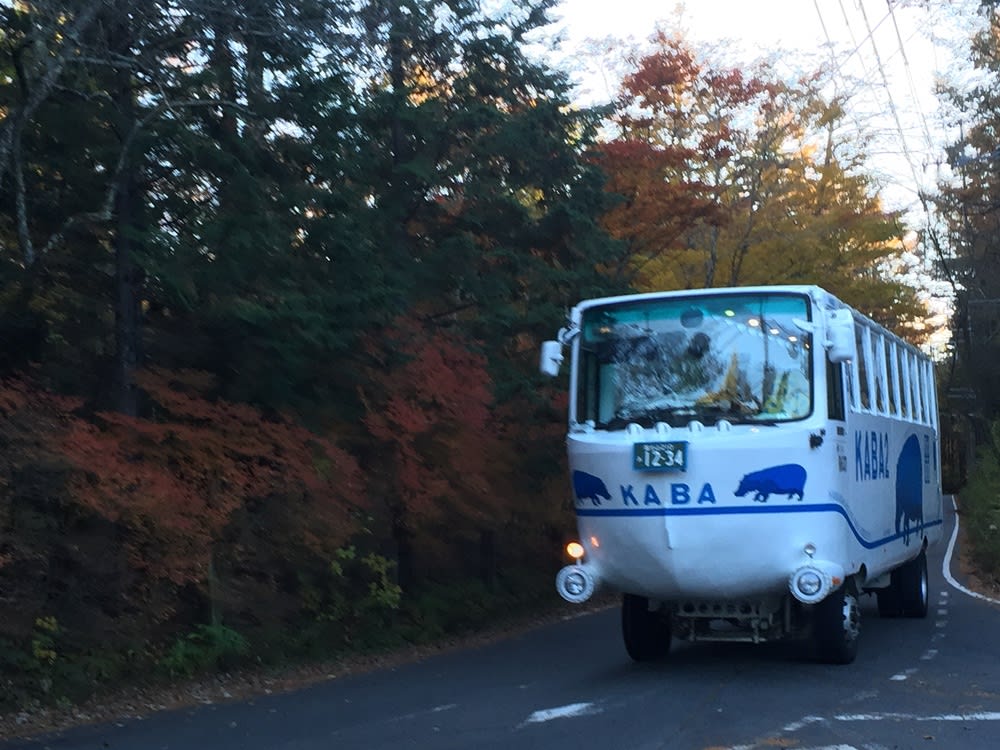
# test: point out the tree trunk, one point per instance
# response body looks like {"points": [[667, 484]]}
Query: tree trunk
{"points": [[488, 558], [403, 538], [128, 284], [127, 220]]}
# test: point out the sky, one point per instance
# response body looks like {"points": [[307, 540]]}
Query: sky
{"points": [[892, 54]]}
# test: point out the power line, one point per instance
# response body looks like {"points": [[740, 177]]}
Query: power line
{"points": [[838, 66], [909, 76], [888, 91]]}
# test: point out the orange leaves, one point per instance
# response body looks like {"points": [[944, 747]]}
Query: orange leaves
{"points": [[176, 482], [659, 203]]}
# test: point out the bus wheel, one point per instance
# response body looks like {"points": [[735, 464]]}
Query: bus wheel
{"points": [[837, 626], [914, 587], [890, 600], [646, 633]]}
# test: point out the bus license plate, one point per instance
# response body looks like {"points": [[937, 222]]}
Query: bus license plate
{"points": [[660, 456]]}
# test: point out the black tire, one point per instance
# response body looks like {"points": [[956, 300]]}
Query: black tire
{"points": [[646, 633], [837, 627], [914, 588], [890, 603]]}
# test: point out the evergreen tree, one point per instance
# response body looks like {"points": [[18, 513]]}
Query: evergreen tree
{"points": [[969, 203]]}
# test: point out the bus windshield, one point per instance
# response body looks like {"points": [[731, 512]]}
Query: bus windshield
{"points": [[738, 357]]}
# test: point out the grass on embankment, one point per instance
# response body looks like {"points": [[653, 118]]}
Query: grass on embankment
{"points": [[979, 504]]}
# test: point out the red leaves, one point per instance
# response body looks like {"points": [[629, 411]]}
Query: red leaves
{"points": [[13, 396], [429, 406], [662, 76], [176, 482], [695, 157]]}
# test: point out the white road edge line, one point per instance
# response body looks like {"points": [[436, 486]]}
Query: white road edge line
{"points": [[946, 566]]}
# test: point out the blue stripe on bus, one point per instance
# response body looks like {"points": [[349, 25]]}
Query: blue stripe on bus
{"points": [[750, 510]]}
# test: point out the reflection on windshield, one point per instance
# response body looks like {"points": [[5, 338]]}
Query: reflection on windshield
{"points": [[736, 357]]}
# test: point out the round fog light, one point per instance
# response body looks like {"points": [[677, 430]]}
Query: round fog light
{"points": [[575, 583], [809, 583]]}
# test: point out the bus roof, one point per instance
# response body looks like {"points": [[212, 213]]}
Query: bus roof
{"points": [[810, 290], [820, 296]]}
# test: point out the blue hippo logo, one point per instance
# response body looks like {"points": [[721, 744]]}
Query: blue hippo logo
{"points": [[787, 479], [909, 492], [587, 486]]}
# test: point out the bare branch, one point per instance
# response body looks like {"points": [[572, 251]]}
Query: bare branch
{"points": [[13, 124], [21, 207], [106, 211]]}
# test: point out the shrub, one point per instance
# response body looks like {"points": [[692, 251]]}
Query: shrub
{"points": [[980, 506], [207, 647]]}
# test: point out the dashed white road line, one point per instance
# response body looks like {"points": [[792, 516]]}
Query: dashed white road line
{"points": [[562, 712], [805, 721], [982, 716], [415, 714], [940, 624], [802, 723]]}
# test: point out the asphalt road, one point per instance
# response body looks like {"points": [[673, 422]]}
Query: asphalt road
{"points": [[570, 686]]}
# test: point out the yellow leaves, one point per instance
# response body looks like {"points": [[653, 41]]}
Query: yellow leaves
{"points": [[729, 178], [43, 642], [423, 86]]}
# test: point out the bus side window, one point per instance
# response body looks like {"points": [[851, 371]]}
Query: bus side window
{"points": [[835, 390], [851, 382], [863, 382]]}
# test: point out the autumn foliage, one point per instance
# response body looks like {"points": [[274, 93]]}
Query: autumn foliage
{"points": [[172, 484], [178, 478], [730, 177], [427, 404]]}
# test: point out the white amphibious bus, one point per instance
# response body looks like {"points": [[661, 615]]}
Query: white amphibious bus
{"points": [[745, 464]]}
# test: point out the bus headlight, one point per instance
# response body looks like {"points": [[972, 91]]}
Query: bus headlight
{"points": [[812, 582]]}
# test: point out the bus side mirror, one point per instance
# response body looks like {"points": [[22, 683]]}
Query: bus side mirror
{"points": [[840, 336], [551, 358]]}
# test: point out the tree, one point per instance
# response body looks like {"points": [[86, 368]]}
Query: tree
{"points": [[731, 177], [969, 203], [487, 208], [178, 146]]}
